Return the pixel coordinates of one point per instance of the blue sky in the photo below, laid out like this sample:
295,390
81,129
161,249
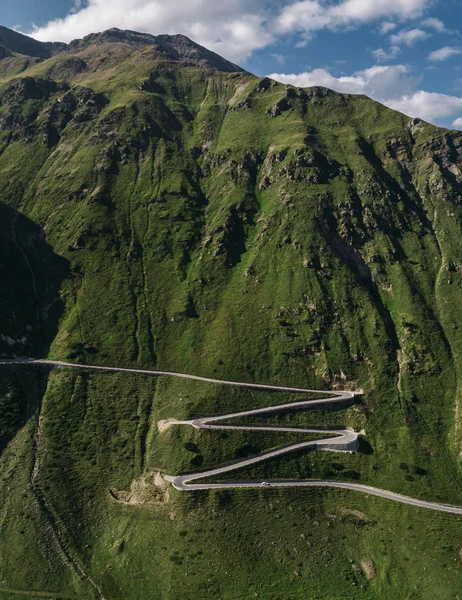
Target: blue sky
404,53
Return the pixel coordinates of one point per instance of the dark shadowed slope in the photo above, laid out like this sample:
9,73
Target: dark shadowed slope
22,44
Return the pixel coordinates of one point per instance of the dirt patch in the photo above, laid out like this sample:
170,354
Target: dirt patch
240,87
165,424
360,516
149,491
369,568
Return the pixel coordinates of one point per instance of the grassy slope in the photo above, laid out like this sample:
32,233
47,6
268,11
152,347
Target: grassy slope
320,247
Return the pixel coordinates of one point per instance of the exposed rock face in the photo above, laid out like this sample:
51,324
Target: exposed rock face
28,88
80,104
281,106
263,85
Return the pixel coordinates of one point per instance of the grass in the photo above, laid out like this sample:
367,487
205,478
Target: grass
93,427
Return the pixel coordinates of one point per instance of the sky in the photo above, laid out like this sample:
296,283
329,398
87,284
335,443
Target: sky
406,54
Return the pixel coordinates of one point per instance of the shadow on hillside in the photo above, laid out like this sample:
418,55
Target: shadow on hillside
31,275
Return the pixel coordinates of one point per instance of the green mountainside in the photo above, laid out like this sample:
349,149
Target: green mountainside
162,208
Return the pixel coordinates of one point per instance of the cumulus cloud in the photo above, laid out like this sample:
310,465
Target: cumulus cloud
311,15
435,24
408,37
443,53
457,123
354,84
386,27
234,28
381,82
382,55
427,105
393,85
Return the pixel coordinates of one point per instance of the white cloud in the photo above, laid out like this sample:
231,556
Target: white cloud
382,55
366,10
308,15
234,28
311,15
443,53
380,82
428,105
354,84
304,40
386,27
392,85
435,24
408,37
457,123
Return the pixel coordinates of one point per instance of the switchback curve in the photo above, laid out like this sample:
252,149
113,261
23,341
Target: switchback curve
345,440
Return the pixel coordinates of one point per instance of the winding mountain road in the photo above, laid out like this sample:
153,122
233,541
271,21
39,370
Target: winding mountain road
345,440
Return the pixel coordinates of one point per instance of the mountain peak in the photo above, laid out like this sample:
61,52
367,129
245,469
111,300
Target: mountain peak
112,36
178,47
185,50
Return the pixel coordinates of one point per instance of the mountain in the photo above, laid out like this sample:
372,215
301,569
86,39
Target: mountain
178,47
162,209
22,44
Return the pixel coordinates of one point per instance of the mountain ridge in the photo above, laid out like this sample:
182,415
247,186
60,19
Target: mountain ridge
178,47
22,44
